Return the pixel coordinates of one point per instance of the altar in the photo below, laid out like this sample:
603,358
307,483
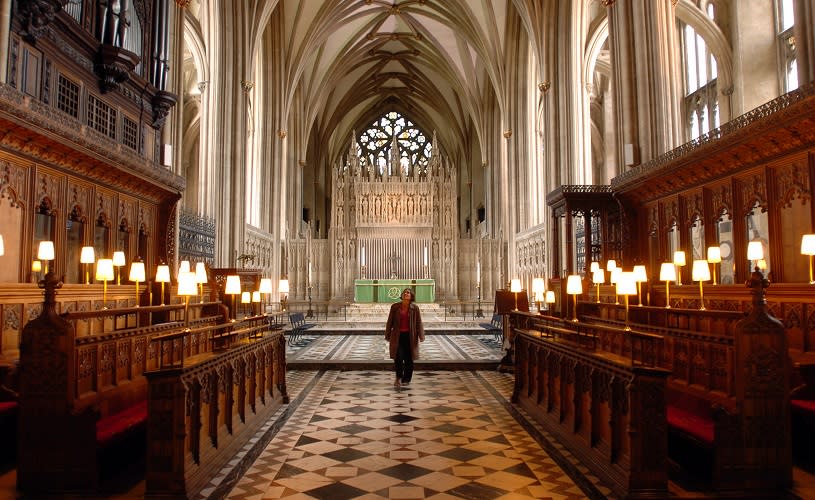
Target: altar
390,290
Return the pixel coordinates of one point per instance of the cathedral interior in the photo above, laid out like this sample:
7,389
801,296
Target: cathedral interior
603,209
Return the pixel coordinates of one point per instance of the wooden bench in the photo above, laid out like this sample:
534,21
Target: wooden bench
495,326
82,396
298,326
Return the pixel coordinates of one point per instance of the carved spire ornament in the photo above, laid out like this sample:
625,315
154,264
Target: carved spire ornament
37,15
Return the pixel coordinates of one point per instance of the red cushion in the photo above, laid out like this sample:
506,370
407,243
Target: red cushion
699,427
112,426
8,407
805,405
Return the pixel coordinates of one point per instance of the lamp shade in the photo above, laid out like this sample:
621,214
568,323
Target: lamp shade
598,276
233,285
667,272
118,258
594,266
574,285
265,285
550,297
714,254
538,286
2,246
87,255
163,274
515,286
184,267
611,265
700,270
640,274
755,251
137,272
246,297
284,286
36,266
627,284
808,244
256,296
104,269
615,275
46,250
186,284
200,273
679,258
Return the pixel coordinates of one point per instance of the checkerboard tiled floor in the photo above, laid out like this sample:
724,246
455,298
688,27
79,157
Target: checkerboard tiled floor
447,435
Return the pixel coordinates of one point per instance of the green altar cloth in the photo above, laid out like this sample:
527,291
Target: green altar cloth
368,291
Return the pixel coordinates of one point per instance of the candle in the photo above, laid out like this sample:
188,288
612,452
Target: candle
362,260
478,272
309,272
425,255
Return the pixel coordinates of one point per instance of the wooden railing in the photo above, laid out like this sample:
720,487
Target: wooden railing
202,412
609,413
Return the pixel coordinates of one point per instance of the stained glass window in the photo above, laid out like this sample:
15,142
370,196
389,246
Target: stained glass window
374,145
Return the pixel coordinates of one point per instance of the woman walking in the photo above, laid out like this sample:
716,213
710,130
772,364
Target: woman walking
404,331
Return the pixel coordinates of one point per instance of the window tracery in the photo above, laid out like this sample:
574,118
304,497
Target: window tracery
374,145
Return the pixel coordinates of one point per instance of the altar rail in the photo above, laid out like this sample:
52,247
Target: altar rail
609,413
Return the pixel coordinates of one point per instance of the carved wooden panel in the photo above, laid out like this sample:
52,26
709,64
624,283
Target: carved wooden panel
14,178
105,208
792,182
127,214
49,189
752,190
693,206
721,200
79,200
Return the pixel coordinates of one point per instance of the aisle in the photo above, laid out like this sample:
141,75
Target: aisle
448,435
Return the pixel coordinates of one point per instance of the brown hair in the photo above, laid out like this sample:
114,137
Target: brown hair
412,295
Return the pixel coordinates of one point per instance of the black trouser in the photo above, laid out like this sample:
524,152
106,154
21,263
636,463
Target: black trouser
404,358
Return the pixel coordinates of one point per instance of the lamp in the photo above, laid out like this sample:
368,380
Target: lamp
538,289
755,252
667,273
246,298
104,273
714,256
611,265
550,297
594,267
137,275
265,287
36,267
808,248
283,288
183,267
186,289
201,277
640,277
515,288
118,262
574,287
700,272
627,285
163,276
87,256
598,277
2,246
233,287
679,261
45,252
613,278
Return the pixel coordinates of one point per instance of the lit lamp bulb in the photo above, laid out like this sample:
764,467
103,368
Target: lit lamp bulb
640,277
118,262
701,273
627,285
201,278
550,297
87,257
755,253
232,287
574,287
667,273
162,276
45,252
104,273
515,288
538,289
679,262
137,275
808,248
714,256
246,298
186,288
598,277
